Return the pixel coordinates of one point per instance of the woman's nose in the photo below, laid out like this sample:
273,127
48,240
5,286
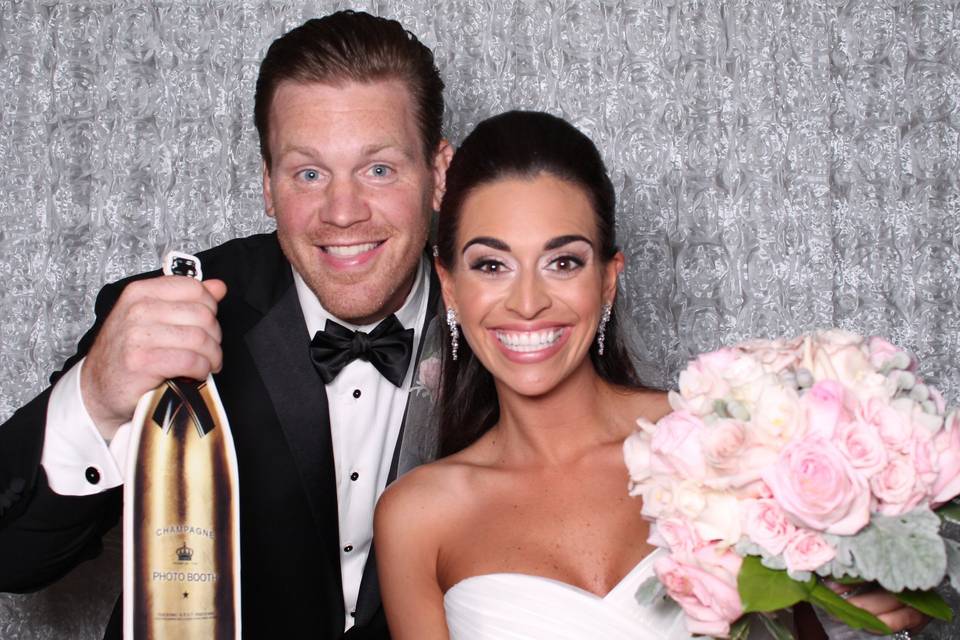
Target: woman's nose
528,295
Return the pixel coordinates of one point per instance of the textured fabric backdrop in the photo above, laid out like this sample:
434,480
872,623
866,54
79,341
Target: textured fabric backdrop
780,165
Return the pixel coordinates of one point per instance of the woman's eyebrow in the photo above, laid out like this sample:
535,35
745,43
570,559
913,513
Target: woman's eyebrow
493,243
559,241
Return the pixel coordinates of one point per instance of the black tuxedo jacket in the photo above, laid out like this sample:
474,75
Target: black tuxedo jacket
277,407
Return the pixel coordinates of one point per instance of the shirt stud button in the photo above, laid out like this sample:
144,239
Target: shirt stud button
92,475
356,393
354,476
348,548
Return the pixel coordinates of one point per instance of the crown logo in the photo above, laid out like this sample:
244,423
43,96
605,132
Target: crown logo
184,553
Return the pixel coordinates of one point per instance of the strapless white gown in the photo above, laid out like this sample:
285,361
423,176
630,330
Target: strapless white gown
514,606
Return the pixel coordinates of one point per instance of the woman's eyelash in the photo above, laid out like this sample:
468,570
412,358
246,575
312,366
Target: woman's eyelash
573,261
487,265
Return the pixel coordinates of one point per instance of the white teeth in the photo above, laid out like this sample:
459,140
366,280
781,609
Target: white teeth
348,251
529,341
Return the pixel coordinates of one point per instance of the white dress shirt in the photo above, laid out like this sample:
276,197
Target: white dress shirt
366,412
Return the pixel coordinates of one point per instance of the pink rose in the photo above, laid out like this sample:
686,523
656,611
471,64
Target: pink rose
777,413
897,487
839,355
657,498
677,535
946,446
675,446
636,454
937,398
711,603
702,381
894,428
924,458
818,487
824,403
807,551
861,444
775,355
882,351
767,525
721,443
428,375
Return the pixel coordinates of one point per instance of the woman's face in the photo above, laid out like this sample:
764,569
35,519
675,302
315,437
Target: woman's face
527,280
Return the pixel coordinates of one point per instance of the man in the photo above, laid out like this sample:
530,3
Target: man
349,111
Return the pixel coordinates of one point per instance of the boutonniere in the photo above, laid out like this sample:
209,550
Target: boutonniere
428,378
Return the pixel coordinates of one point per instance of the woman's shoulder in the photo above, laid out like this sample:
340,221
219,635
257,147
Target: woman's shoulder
427,488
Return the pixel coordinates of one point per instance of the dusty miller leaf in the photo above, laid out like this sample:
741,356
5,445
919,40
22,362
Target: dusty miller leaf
953,563
650,591
900,552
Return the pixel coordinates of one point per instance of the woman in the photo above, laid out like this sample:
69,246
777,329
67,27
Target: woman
525,529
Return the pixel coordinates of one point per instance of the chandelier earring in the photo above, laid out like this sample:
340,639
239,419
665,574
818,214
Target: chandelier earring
605,312
454,332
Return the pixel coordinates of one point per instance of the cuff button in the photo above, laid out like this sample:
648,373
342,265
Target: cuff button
92,475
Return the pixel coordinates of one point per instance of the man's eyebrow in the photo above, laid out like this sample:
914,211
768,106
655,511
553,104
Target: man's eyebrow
493,243
373,149
559,241
297,148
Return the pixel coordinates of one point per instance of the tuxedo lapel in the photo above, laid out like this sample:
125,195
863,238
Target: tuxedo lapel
279,345
416,442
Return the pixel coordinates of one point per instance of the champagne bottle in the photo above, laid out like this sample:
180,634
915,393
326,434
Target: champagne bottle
181,510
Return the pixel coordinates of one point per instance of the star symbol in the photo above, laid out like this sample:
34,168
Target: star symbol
186,595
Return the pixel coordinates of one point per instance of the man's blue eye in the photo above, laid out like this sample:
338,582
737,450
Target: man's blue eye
310,174
380,170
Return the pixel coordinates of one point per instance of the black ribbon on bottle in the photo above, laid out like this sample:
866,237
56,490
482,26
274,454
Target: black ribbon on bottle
183,395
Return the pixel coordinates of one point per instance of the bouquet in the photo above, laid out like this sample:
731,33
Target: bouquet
788,462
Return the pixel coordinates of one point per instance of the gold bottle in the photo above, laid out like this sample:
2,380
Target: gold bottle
181,511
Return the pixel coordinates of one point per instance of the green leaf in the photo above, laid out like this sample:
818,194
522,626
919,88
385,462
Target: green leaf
777,630
950,512
899,552
848,614
764,589
928,602
740,630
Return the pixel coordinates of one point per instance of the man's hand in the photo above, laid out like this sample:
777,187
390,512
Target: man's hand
160,328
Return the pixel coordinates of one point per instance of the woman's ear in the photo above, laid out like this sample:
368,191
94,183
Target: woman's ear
611,272
446,284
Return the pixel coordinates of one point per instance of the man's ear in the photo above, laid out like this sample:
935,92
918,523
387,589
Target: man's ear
441,162
611,272
267,194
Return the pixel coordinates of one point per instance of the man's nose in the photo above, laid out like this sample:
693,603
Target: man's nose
344,204
528,295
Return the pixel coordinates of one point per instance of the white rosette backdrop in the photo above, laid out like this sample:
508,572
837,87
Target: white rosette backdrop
780,165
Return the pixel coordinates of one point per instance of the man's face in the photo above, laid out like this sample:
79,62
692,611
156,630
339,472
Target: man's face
351,192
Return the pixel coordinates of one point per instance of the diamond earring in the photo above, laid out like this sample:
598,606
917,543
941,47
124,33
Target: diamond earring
607,309
454,332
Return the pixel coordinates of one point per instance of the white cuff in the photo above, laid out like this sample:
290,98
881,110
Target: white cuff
75,456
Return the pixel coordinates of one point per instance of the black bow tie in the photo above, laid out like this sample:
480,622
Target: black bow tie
387,347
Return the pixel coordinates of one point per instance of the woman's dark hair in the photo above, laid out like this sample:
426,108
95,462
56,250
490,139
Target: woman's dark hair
518,144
